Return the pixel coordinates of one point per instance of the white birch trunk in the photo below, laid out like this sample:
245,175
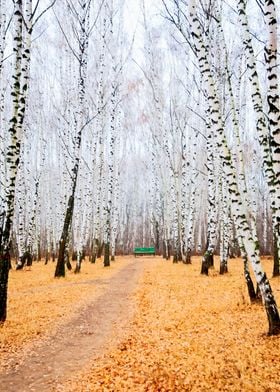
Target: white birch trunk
270,49
238,210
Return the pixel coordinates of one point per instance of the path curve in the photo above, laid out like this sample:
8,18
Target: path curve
82,339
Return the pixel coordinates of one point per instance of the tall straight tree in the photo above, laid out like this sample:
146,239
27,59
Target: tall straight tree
109,9
24,19
80,25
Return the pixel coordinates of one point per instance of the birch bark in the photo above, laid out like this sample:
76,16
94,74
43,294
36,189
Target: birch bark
12,160
238,209
270,55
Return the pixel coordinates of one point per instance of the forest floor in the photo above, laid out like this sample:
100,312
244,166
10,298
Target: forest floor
143,324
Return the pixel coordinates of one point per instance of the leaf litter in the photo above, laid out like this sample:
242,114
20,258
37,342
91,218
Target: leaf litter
189,332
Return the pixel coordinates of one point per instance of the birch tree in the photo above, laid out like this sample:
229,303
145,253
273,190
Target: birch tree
270,55
12,159
80,16
262,125
238,208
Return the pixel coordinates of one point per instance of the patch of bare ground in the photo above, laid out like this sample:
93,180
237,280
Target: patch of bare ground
190,333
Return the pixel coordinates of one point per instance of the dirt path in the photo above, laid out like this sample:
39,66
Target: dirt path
98,326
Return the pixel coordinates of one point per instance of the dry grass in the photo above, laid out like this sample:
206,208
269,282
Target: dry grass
191,333
38,301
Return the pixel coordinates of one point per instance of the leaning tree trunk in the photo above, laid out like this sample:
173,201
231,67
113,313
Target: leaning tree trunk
248,279
274,118
12,160
63,242
269,161
238,160
238,210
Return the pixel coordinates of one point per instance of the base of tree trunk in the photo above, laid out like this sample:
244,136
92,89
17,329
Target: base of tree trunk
274,323
25,259
93,258
100,249
164,251
113,258
68,264
204,267
60,265
39,253
276,266
211,261
207,262
275,330
175,258
250,288
168,250
77,268
4,276
179,257
188,257
106,255
223,268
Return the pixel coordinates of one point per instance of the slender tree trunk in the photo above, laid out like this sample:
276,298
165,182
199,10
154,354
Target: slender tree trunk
270,54
268,144
208,257
63,242
12,160
248,279
80,123
276,269
107,255
94,250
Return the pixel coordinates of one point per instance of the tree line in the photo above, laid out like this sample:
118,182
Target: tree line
126,124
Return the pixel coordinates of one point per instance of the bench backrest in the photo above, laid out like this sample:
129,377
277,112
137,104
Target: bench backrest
144,250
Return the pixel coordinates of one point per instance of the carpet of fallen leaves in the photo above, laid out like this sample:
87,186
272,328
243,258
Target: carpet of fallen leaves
190,333
37,301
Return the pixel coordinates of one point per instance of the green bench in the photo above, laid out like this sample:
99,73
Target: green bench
144,251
